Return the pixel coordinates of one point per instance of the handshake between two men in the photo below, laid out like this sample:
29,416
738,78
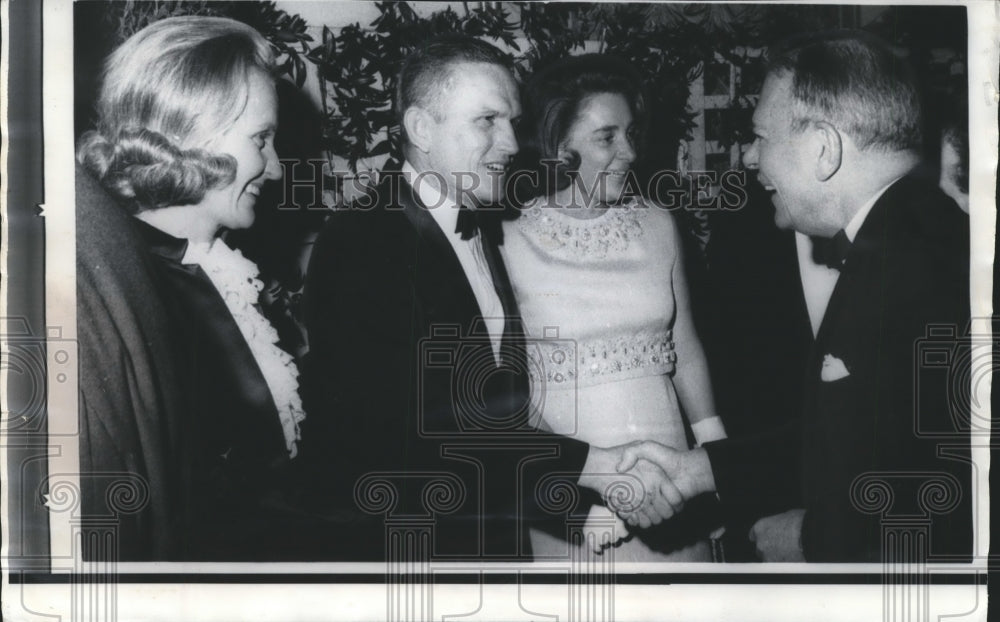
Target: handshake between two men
654,481
658,480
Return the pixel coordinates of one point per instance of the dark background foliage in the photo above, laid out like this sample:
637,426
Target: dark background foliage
671,45
101,26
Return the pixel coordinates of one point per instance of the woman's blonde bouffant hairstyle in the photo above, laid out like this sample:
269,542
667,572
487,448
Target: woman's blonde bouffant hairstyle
166,93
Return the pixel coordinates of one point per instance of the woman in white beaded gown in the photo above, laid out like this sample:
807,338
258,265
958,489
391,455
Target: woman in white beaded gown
604,274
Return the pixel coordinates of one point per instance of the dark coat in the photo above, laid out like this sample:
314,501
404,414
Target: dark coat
172,398
131,394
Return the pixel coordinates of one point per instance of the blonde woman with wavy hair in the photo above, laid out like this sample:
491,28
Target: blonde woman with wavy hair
184,141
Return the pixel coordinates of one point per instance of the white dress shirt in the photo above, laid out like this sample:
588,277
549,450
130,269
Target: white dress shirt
818,280
444,211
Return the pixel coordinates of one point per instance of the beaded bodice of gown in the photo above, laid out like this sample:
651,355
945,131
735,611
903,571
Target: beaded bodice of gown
596,298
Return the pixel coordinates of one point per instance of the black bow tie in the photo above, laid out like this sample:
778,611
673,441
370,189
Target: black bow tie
832,252
468,223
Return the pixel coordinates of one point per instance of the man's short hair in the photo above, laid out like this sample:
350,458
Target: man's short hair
854,81
426,72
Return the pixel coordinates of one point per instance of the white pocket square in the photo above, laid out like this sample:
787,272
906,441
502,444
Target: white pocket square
833,369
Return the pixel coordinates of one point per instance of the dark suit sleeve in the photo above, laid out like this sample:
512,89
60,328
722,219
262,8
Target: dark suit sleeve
758,475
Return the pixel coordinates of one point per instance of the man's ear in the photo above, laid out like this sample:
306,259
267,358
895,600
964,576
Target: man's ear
565,155
416,122
831,150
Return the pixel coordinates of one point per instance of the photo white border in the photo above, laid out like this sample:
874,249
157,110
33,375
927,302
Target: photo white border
163,601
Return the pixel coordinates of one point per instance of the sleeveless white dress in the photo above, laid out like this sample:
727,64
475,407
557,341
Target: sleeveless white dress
596,298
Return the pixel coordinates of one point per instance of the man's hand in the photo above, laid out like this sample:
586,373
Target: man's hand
778,538
660,500
689,471
642,495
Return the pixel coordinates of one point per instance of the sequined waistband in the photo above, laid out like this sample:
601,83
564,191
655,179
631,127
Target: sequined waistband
566,364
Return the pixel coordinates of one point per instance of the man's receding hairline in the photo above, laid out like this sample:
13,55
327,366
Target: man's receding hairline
451,66
433,97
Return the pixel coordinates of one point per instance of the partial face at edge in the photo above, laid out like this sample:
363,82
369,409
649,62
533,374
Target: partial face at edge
950,163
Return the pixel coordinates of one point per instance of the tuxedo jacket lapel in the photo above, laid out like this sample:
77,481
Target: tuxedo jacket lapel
436,268
447,293
857,266
444,269
492,236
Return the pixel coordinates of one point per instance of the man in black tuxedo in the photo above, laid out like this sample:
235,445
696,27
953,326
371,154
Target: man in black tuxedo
416,377
837,137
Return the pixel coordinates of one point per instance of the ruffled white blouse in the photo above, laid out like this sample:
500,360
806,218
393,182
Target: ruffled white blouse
236,279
